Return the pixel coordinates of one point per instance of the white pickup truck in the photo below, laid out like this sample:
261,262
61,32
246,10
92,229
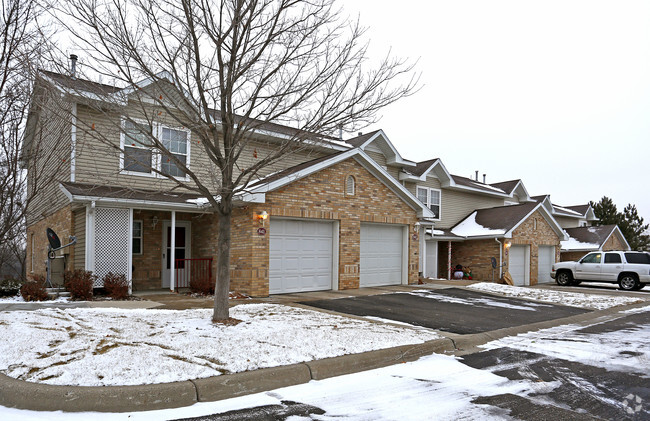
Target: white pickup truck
630,269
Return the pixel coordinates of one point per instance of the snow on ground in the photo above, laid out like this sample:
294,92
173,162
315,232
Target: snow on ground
476,301
610,350
95,347
573,299
18,299
434,387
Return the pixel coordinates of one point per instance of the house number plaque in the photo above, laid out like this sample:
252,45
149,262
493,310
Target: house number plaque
261,231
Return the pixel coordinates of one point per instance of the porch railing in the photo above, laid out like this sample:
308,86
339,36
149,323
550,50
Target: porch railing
188,270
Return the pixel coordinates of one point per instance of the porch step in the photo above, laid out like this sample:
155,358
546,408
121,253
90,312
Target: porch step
57,292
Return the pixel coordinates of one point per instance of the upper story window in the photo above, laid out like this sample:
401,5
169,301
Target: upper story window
141,158
582,223
138,155
349,185
431,198
175,141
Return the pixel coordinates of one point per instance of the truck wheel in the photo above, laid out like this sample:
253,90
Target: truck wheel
563,278
628,282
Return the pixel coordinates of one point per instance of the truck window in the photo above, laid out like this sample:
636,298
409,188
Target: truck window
591,258
642,258
613,258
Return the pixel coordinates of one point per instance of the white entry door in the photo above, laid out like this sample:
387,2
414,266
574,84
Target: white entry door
300,256
382,253
545,260
183,250
432,259
519,266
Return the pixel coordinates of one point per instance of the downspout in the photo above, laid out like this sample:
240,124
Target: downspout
500,256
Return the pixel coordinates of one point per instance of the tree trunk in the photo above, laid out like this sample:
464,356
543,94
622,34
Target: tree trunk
222,286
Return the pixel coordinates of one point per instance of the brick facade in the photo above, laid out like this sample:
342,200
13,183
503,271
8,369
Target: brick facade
319,196
62,223
535,231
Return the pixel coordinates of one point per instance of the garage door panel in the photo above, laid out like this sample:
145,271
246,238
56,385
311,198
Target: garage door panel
517,264
545,260
381,255
300,257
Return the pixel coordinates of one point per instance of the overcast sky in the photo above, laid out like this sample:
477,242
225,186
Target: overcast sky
556,93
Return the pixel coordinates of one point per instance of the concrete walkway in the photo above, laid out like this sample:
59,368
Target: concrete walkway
34,396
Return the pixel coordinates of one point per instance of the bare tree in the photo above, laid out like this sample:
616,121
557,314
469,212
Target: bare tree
238,66
21,46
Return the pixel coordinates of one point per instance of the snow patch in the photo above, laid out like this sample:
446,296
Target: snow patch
573,299
102,347
470,228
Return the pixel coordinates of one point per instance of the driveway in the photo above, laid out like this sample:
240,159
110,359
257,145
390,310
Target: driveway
451,310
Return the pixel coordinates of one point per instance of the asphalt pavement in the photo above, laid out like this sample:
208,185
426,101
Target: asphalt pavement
452,310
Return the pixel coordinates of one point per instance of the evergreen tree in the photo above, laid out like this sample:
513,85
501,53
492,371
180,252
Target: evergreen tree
633,229
606,212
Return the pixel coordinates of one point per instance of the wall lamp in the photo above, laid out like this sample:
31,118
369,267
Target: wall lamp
508,244
154,221
416,227
261,217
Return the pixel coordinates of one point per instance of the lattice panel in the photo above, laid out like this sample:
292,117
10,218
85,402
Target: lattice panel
111,242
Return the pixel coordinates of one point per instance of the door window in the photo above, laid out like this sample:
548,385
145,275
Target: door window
591,258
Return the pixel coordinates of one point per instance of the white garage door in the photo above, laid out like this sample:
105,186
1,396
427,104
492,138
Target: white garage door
300,257
545,260
381,255
519,264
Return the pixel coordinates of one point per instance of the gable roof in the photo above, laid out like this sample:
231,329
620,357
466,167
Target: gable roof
256,191
591,238
379,139
501,221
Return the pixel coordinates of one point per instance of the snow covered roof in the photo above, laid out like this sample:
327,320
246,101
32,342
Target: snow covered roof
501,221
591,238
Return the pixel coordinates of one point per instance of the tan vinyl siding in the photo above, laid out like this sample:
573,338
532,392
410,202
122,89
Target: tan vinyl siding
98,160
380,159
49,161
567,222
79,217
457,205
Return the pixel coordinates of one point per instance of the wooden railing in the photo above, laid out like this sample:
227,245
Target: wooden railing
188,270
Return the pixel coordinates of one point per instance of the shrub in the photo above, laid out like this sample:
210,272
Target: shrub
202,285
34,290
116,286
79,283
9,287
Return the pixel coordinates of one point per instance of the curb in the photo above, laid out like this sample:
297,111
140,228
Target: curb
20,394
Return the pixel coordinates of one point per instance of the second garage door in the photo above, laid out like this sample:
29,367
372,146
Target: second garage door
519,265
545,260
300,257
381,255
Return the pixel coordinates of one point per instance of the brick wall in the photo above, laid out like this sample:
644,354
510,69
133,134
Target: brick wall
63,225
319,196
571,256
474,254
535,231
613,243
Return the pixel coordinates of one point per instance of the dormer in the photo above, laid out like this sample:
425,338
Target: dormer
377,142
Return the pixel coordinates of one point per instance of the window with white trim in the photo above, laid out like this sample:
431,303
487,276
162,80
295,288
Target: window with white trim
349,185
175,141
431,198
138,154
137,237
141,158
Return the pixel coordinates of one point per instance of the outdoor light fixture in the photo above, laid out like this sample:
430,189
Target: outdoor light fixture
416,227
508,244
261,217
154,221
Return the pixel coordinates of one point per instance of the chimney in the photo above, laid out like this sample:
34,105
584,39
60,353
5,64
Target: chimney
73,65
483,178
476,176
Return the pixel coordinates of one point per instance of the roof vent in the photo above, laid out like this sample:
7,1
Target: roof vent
73,65
483,178
476,176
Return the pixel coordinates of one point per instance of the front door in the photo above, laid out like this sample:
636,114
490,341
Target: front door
182,250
